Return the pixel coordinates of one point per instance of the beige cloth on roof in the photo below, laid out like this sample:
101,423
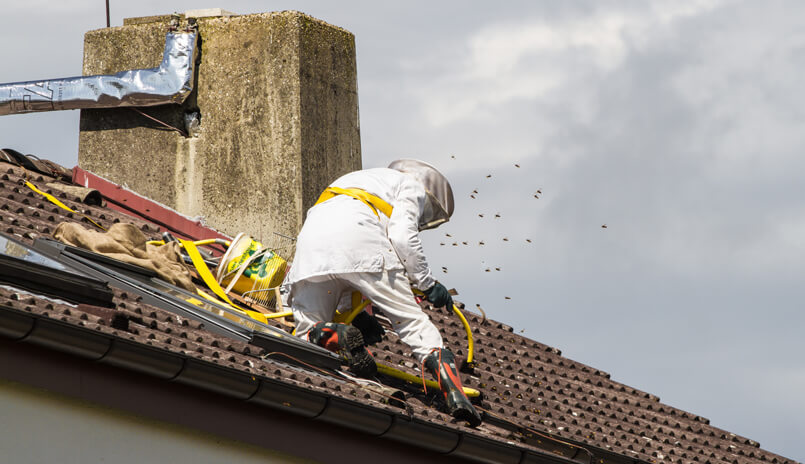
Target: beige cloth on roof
125,242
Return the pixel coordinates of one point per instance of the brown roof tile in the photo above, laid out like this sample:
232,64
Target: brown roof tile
529,389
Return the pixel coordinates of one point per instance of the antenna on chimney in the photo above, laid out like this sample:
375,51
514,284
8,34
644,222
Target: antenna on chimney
107,13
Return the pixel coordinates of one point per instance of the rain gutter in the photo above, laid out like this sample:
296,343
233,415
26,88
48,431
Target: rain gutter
111,350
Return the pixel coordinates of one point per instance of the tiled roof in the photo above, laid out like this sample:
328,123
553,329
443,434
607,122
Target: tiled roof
530,391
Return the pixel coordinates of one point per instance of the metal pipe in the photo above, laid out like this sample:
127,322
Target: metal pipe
171,82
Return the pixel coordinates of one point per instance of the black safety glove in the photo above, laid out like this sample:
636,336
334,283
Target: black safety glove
439,296
371,330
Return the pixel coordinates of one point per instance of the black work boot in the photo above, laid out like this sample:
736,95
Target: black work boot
442,365
347,341
371,330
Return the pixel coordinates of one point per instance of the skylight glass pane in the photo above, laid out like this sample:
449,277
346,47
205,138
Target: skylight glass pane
17,250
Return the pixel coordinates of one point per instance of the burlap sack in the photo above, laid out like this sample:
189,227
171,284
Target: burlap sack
125,242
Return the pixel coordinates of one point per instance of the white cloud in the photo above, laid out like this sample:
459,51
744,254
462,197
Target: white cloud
532,58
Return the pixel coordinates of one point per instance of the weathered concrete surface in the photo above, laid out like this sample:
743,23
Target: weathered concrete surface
207,13
277,93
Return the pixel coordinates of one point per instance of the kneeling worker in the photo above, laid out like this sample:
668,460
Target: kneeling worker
363,235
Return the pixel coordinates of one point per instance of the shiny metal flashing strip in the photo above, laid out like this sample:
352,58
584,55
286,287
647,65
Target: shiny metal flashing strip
171,82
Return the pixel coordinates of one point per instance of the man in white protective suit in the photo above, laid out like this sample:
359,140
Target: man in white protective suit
363,235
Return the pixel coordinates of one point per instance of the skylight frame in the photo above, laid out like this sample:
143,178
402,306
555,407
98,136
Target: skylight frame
218,319
30,270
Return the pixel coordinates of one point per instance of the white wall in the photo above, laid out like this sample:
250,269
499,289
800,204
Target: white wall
38,426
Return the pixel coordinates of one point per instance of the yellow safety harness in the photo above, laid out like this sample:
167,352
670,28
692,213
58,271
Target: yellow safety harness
372,201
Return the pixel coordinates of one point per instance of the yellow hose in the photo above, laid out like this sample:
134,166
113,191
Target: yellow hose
278,315
346,318
211,241
467,328
206,241
398,374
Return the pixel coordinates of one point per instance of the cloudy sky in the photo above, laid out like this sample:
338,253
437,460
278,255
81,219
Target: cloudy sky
678,125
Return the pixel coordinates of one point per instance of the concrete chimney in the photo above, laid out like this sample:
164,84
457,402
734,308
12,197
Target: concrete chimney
278,105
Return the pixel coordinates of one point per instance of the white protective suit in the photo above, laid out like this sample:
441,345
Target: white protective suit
345,246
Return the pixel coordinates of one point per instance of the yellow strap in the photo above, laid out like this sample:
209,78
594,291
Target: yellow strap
207,277
376,203
56,202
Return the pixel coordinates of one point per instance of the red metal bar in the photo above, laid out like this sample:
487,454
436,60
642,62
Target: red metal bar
128,202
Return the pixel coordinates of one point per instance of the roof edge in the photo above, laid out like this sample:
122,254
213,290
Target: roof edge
106,348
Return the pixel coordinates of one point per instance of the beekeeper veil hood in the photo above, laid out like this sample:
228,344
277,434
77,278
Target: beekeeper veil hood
439,205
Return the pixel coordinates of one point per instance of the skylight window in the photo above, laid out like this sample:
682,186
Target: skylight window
22,266
216,318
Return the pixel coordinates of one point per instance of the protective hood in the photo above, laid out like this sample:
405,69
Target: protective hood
439,205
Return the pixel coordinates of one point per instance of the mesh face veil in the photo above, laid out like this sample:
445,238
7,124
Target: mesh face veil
439,204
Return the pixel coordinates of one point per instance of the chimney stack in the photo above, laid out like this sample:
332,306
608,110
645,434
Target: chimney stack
272,121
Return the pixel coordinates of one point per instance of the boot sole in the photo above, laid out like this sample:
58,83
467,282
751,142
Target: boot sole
462,409
361,363
462,414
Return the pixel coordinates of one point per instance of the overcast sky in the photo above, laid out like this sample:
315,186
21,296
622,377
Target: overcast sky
678,125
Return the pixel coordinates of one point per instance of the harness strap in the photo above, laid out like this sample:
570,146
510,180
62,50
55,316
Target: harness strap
372,201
